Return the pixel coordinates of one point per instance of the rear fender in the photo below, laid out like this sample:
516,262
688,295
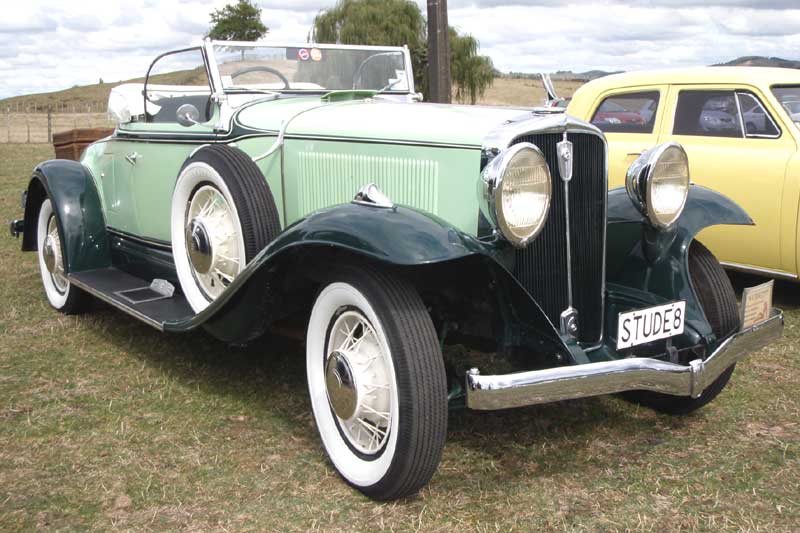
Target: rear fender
653,261
79,213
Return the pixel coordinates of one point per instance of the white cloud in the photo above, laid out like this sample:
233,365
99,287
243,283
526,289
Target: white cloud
51,44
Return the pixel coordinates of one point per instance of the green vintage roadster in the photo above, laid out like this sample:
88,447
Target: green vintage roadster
250,185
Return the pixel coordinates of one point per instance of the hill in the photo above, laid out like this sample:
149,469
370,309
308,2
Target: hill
94,97
760,61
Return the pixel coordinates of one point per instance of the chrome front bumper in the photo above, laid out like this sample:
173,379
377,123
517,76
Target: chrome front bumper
638,373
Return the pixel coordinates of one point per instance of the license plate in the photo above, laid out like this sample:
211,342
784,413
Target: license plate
651,324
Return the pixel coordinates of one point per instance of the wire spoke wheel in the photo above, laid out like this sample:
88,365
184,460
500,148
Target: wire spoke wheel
211,240
222,216
358,382
376,381
52,264
53,257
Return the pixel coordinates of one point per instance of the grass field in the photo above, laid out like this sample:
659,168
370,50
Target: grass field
108,424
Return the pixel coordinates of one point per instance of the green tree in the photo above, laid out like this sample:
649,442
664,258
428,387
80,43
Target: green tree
376,22
472,73
398,23
237,22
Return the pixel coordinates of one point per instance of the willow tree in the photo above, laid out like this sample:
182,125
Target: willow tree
398,23
472,73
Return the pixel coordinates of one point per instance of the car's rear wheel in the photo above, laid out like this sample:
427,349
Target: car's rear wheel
61,294
377,383
718,299
223,214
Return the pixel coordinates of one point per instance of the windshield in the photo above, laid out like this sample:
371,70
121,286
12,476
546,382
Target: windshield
789,97
311,69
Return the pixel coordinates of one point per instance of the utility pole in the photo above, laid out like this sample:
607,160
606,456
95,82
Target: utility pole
438,52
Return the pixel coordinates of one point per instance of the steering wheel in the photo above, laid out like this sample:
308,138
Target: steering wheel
262,68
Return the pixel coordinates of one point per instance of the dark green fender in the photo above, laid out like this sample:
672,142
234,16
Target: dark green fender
79,213
644,265
398,237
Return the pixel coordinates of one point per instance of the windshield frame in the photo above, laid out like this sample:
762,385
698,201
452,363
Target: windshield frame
216,77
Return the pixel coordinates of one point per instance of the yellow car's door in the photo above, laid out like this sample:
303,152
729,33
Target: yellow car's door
736,147
630,118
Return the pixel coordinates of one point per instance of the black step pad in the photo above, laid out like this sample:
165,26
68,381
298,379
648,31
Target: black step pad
105,283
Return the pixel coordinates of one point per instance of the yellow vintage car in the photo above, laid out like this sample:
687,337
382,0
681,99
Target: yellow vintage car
740,128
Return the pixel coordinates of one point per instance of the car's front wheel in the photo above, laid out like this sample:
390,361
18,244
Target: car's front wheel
377,383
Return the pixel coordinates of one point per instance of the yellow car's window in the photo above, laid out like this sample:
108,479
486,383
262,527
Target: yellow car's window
627,113
789,97
756,119
723,113
707,113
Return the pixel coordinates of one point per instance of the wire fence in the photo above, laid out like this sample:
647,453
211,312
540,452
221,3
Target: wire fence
53,106
36,127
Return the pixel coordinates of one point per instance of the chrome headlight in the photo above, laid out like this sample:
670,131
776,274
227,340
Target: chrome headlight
658,183
517,189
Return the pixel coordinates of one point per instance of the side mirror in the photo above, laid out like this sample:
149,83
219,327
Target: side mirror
188,115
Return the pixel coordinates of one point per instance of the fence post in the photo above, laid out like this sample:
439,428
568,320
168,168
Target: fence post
8,124
49,124
28,124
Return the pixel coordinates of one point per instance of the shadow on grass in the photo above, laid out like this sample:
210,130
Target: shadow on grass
268,379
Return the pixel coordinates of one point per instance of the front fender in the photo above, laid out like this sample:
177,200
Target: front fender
79,213
397,236
653,261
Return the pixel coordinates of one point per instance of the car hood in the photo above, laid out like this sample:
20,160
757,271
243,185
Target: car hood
378,119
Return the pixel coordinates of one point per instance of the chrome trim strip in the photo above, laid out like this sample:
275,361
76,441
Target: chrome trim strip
766,114
759,270
117,304
739,112
609,377
146,241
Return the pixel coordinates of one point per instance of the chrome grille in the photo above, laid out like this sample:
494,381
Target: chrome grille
541,266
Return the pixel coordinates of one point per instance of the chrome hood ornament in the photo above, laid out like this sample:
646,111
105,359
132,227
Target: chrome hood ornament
564,149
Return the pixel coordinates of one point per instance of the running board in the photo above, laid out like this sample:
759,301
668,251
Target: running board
150,303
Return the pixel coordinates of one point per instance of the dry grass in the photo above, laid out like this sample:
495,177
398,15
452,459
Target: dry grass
108,424
519,92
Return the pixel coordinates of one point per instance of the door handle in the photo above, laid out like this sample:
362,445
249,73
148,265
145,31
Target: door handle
132,157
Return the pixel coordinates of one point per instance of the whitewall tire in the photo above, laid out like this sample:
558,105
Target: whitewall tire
222,215
60,293
377,383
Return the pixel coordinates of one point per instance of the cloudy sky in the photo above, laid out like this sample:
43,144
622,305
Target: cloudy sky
55,44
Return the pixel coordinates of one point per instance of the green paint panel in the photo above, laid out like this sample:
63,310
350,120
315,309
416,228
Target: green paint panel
380,119
440,181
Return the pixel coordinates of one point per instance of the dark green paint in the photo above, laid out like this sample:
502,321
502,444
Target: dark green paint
79,215
656,262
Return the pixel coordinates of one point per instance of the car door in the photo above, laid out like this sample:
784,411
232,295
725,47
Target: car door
741,156
630,119
148,153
